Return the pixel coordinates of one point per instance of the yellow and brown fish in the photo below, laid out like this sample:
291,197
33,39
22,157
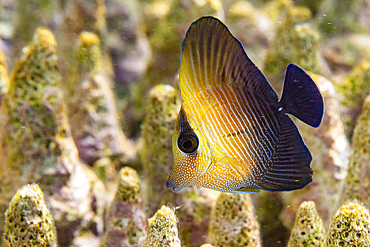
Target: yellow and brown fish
232,133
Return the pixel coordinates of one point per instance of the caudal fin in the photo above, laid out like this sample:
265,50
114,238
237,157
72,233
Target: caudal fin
301,97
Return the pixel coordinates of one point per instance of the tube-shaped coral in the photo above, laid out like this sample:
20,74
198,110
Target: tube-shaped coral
355,89
358,181
93,112
36,144
162,229
295,42
4,80
157,133
350,226
126,221
233,222
309,229
28,222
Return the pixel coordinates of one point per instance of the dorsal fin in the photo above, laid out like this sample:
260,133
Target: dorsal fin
211,56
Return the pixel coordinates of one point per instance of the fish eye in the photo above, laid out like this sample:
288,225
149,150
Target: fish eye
188,142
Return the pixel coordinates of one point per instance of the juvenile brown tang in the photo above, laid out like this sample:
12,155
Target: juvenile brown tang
232,133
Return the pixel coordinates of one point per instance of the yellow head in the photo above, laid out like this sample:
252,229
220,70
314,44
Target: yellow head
191,154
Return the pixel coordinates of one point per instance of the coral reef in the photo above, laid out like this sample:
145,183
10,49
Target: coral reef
309,229
358,181
165,25
234,222
253,26
36,144
103,77
4,80
126,221
355,89
157,130
162,229
76,17
92,110
295,42
343,53
330,150
350,226
28,221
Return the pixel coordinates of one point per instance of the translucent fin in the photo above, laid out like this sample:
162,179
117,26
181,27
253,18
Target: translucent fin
301,97
290,167
247,189
211,56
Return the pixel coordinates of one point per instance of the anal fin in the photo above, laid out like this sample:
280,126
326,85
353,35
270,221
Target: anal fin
290,166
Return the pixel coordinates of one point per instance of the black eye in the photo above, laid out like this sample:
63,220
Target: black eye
188,142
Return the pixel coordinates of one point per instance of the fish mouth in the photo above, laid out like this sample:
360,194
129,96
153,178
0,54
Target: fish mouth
171,185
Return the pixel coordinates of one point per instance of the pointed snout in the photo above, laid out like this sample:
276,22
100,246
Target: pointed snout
169,184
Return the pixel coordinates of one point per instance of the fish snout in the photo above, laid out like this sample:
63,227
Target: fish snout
169,184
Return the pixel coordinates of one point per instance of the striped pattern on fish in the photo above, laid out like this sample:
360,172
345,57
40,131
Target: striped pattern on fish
232,133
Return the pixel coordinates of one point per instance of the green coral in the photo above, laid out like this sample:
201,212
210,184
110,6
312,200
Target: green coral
357,87
28,222
126,221
30,111
233,222
162,229
309,229
354,90
89,53
350,226
37,146
358,181
157,131
128,187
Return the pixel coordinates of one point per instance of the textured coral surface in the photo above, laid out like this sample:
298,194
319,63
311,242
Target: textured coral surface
309,229
162,229
28,222
350,226
234,222
97,91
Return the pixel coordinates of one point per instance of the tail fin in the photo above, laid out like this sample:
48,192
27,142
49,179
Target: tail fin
301,97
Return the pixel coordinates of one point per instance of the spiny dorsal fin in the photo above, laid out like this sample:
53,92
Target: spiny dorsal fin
211,56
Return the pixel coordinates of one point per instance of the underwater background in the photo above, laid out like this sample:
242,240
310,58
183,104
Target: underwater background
89,99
